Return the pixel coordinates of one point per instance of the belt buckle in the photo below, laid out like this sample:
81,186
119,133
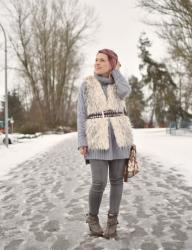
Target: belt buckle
103,115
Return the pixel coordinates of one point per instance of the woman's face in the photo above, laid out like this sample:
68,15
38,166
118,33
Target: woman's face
102,65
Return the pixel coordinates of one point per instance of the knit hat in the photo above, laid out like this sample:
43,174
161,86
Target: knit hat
112,56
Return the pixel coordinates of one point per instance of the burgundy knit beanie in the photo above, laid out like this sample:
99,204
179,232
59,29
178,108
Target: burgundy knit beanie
112,56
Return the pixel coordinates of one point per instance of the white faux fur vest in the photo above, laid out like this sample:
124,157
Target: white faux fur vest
97,131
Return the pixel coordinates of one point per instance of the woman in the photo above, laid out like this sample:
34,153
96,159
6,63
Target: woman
104,136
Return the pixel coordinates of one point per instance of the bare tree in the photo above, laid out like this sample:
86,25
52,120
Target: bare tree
47,37
175,26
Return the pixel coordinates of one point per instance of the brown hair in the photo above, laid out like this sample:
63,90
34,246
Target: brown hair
112,56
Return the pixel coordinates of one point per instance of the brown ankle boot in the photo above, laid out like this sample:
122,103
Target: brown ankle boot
110,230
94,225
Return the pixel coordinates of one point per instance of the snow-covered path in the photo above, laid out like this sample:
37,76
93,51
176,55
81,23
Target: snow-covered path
44,201
174,152
18,153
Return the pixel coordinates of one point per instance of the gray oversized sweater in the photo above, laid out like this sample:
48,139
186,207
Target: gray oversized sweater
114,152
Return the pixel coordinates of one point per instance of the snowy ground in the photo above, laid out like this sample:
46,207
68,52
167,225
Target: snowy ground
172,151
28,149
44,199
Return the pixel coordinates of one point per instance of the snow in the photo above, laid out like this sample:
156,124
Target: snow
18,153
173,152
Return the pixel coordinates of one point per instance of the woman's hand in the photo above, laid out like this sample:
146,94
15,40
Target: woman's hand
118,65
83,150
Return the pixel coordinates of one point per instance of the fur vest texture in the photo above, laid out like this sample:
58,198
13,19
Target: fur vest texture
97,129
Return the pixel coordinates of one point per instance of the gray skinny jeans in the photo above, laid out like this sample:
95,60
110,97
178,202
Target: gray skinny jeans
99,170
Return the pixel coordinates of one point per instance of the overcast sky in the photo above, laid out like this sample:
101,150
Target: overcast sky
120,27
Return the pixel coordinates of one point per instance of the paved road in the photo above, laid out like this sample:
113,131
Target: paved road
43,206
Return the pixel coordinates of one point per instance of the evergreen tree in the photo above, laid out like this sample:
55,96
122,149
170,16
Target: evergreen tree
162,99
16,110
135,103
1,110
2,117
174,26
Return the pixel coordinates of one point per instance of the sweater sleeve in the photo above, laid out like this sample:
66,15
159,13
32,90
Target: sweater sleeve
81,118
123,87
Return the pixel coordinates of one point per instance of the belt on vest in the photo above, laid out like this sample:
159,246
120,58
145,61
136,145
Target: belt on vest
105,114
